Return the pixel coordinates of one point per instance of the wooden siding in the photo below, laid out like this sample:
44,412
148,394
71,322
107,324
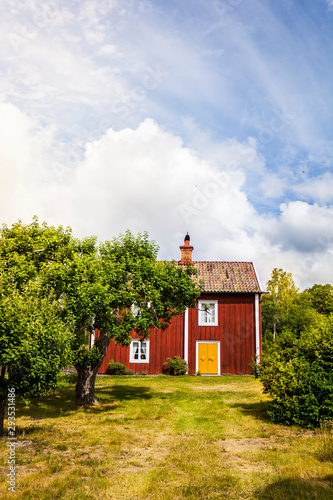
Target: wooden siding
235,331
161,346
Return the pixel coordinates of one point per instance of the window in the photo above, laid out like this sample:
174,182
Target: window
136,309
139,351
208,313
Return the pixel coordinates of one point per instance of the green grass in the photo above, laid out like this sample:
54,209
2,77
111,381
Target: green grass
164,438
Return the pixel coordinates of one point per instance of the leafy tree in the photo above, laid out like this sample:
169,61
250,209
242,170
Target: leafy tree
98,285
321,298
61,264
276,306
301,314
126,273
297,372
34,341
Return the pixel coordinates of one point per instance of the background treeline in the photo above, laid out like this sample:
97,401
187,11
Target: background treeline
286,308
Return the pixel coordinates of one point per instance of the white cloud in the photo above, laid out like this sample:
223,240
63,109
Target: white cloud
146,179
305,227
24,157
318,188
108,49
273,186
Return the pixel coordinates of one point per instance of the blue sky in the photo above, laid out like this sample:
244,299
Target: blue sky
208,117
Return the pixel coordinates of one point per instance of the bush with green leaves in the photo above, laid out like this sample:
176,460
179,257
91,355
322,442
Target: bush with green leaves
34,341
116,368
175,366
297,373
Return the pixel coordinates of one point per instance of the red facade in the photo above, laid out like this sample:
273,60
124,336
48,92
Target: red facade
235,334
161,346
224,343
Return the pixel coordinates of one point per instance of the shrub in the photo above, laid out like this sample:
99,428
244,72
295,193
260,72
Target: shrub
297,373
116,368
175,366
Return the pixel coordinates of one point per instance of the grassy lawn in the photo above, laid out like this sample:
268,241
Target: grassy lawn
163,438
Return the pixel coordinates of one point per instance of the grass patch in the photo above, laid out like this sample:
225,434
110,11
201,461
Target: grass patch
164,438
325,442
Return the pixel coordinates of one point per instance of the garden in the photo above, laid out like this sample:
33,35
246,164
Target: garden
163,438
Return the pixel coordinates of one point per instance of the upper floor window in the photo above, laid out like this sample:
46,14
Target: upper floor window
208,312
136,309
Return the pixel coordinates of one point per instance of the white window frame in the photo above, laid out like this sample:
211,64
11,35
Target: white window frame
132,351
201,311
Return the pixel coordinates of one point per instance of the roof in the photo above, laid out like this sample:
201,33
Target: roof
237,277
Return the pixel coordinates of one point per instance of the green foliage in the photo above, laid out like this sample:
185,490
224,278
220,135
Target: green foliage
116,368
130,275
282,287
34,341
297,373
96,285
276,307
254,366
85,357
285,308
66,378
175,366
321,298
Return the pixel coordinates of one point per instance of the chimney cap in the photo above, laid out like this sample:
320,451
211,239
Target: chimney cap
187,237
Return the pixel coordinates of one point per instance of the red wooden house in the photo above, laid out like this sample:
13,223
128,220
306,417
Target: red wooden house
216,340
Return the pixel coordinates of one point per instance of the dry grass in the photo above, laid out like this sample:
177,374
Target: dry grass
163,438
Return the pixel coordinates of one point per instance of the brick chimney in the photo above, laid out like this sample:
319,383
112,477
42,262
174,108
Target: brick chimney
186,251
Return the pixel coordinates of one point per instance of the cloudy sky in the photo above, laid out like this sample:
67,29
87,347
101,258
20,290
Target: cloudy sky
212,117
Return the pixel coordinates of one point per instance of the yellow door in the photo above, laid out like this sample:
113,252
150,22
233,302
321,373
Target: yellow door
208,359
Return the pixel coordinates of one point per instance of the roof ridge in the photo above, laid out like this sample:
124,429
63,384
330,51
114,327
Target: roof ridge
226,261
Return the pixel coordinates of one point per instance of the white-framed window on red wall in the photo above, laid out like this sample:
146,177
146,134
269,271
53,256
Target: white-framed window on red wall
208,312
139,351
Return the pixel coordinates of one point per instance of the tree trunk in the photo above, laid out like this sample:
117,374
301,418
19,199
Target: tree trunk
85,387
2,412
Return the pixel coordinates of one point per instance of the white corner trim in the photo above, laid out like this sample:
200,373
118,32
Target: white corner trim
92,338
257,326
257,276
186,335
